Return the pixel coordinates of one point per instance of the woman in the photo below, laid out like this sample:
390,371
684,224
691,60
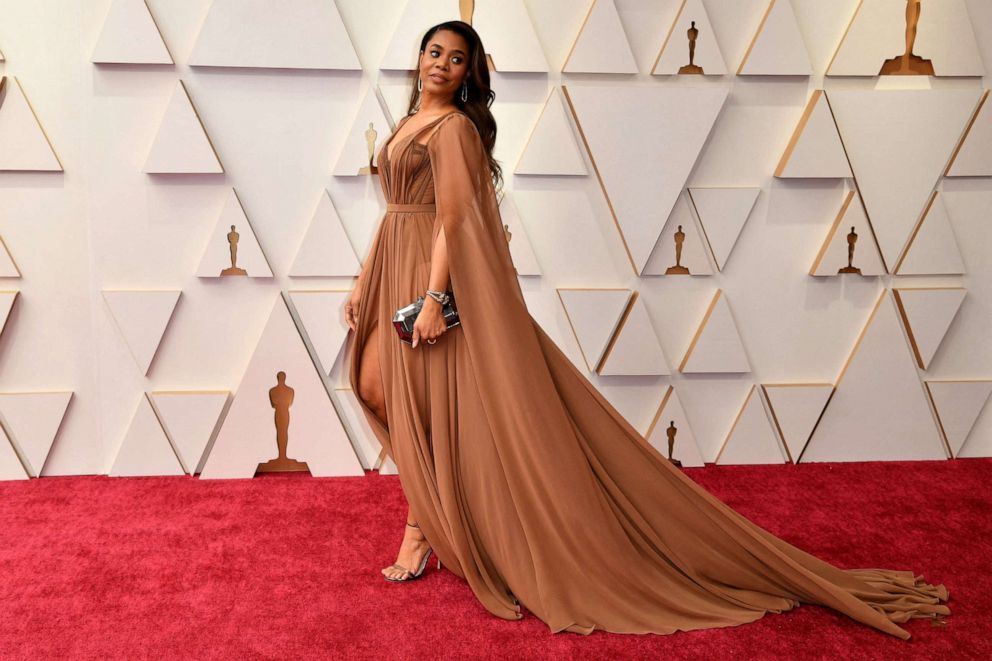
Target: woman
519,475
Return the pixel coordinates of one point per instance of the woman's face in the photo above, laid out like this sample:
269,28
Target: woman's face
444,64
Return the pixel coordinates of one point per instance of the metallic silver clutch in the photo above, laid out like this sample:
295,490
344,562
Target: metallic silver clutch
405,316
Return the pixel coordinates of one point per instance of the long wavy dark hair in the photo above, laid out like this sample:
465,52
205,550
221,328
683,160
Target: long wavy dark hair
480,95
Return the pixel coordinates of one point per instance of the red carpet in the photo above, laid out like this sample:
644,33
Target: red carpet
288,567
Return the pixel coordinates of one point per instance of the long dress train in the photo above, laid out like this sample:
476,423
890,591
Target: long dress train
523,477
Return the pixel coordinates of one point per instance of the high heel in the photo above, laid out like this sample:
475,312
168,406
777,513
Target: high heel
408,575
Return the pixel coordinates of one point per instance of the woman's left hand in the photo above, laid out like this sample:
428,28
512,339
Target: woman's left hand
429,324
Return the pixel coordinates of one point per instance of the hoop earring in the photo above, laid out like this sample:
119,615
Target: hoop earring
420,84
464,91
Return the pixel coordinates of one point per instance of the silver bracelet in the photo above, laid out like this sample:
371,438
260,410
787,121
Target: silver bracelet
439,296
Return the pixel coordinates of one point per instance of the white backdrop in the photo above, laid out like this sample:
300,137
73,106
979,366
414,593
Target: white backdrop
104,225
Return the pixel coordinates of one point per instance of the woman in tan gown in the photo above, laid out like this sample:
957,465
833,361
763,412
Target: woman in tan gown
519,475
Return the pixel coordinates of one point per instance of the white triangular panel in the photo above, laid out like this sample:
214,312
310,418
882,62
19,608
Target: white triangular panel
899,143
795,409
974,155
722,214
8,269
130,36
932,250
674,53
815,149
879,411
505,27
695,254
370,124
716,346
307,34
323,320
778,48
181,145
552,148
248,435
217,254
145,449
671,414
524,259
927,314
23,143
878,32
833,254
625,128
636,350
958,405
752,439
593,315
33,420
326,249
189,419
142,317
601,46
10,465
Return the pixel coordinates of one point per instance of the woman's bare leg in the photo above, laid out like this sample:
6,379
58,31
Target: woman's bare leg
412,550
370,377
370,388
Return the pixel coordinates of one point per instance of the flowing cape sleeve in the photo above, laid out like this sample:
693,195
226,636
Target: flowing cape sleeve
582,478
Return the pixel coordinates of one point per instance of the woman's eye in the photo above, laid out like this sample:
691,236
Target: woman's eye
456,59
434,53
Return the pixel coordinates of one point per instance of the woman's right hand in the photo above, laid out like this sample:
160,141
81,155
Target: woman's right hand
351,309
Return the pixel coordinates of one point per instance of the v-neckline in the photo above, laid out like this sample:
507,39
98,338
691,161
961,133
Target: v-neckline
386,148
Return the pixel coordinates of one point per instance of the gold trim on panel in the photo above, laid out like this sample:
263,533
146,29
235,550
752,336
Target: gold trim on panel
699,330
798,132
602,183
778,426
34,114
202,128
861,336
578,34
617,331
3,245
737,419
967,132
840,43
668,36
754,39
897,294
658,411
558,291
916,230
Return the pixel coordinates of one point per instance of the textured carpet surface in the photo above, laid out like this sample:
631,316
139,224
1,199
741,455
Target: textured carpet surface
287,566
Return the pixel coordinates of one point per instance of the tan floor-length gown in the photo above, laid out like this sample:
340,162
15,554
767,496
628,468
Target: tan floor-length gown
525,480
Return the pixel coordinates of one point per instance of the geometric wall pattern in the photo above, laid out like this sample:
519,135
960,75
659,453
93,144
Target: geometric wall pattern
765,134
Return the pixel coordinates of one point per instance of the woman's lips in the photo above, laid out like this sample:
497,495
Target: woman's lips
437,79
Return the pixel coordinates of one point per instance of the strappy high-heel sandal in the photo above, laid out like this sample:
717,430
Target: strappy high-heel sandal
409,575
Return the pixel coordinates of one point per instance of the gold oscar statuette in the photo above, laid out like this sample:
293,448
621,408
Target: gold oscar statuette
692,67
671,431
678,269
232,241
281,398
370,135
852,238
909,64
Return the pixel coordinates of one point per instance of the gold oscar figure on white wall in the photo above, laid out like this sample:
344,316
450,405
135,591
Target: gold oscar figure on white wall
852,238
671,430
370,136
232,242
909,64
678,269
281,398
692,68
